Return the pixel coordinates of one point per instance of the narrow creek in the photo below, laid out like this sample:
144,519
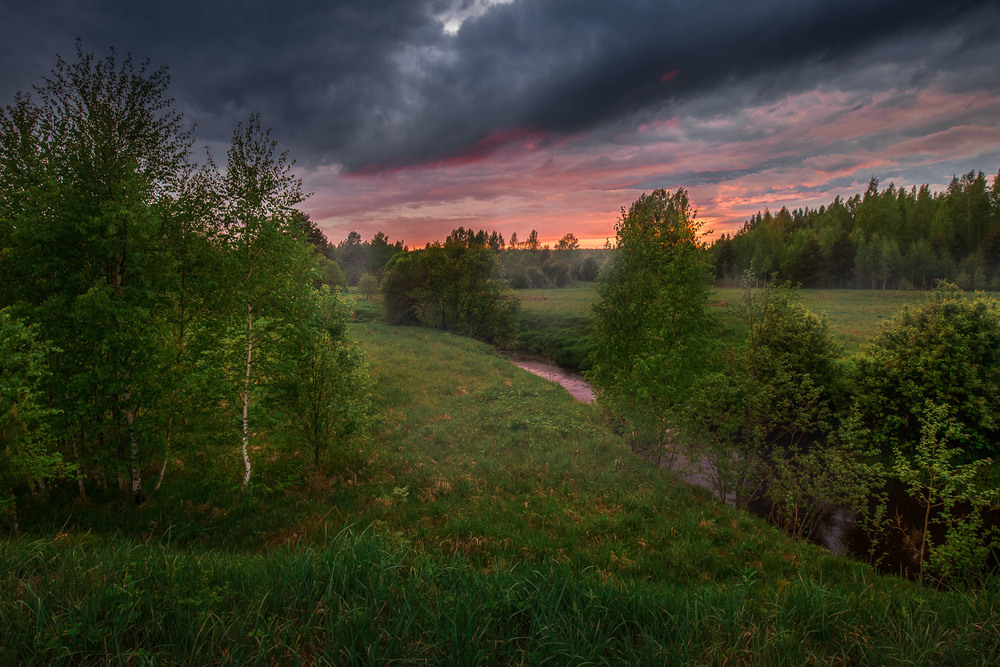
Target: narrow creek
571,381
838,531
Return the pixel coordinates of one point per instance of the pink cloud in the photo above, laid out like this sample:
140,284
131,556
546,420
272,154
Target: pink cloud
797,152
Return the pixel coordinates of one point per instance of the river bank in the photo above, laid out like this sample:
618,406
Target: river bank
839,530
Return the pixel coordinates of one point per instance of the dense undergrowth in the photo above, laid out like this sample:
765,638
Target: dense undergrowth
489,519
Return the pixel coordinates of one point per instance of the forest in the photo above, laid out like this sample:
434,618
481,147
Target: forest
889,239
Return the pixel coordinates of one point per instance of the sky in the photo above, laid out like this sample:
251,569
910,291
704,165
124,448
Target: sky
414,117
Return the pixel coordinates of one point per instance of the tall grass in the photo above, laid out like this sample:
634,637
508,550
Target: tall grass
361,598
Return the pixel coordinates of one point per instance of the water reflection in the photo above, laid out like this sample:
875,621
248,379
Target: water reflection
571,381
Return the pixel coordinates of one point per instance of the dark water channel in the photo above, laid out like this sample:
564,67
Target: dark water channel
838,531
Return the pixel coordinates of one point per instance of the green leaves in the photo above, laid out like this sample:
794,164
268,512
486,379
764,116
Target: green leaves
455,286
27,455
761,413
947,352
164,291
650,329
953,496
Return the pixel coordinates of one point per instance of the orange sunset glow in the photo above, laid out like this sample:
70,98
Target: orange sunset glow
520,115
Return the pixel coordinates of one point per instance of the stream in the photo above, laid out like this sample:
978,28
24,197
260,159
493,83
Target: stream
838,530
571,381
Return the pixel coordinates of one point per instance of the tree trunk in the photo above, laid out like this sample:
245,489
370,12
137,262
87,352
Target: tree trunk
13,512
176,393
133,448
79,474
246,399
166,449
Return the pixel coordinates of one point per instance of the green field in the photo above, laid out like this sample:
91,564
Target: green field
854,315
554,321
489,519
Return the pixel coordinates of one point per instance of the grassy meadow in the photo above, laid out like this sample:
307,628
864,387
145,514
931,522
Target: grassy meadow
854,315
554,321
490,518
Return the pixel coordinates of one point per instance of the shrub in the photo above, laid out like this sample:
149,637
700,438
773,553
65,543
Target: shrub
946,351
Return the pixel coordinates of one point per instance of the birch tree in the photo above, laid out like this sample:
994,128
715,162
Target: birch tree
650,329
259,192
90,166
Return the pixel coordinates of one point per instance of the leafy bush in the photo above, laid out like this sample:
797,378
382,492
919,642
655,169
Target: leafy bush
455,287
756,419
946,351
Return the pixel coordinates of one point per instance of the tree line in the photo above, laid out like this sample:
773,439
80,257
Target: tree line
892,238
151,306
773,413
526,264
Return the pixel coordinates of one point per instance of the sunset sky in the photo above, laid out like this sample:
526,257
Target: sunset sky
414,117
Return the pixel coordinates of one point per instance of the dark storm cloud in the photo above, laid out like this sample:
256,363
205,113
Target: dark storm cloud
380,84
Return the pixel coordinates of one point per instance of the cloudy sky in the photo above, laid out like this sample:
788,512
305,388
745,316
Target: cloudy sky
413,117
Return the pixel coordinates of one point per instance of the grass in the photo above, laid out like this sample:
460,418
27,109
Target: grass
854,315
489,519
554,321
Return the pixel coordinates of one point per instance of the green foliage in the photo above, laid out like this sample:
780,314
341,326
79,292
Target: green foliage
270,269
761,413
27,455
884,239
589,270
455,287
568,242
649,332
168,297
533,266
368,286
327,391
804,486
358,257
332,275
946,351
91,176
952,495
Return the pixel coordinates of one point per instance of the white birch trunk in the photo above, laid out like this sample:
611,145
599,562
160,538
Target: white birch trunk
133,448
79,474
246,399
166,454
